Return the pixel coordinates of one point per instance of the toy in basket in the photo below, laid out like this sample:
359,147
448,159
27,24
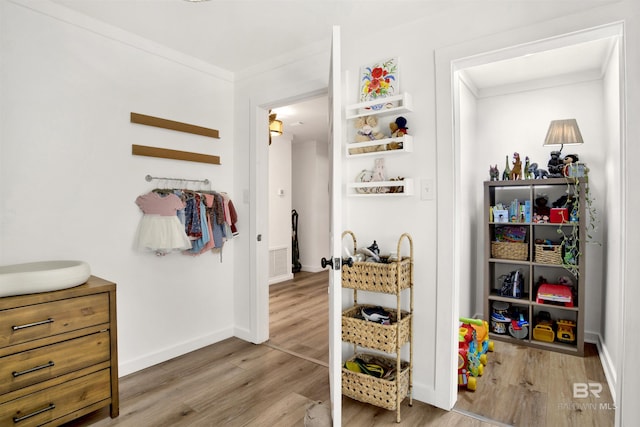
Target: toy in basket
388,277
382,329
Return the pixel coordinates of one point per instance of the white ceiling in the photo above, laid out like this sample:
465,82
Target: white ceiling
237,35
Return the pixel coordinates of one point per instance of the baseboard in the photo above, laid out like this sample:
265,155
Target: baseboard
244,334
312,268
150,359
605,359
282,278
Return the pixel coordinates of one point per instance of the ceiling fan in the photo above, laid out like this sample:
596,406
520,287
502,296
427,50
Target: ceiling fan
275,125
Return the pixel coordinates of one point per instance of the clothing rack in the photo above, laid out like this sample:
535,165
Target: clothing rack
149,178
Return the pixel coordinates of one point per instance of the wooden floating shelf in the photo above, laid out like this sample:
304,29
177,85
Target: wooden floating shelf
173,125
164,153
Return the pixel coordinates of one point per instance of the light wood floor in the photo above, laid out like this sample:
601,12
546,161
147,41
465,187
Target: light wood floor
235,383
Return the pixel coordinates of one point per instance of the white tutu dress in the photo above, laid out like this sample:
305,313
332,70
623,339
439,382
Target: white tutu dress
159,229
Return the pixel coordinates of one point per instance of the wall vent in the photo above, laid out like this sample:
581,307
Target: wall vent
278,262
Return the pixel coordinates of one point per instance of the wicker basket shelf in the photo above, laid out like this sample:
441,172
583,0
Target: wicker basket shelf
378,277
389,278
364,333
548,254
510,250
380,392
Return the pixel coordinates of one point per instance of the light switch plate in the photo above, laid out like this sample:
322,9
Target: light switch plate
426,189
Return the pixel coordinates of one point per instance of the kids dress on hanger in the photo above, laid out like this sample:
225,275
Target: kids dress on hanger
159,229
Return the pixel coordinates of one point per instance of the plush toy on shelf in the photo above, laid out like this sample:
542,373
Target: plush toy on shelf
367,130
398,129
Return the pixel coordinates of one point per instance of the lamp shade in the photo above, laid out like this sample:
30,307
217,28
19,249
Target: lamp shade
563,132
275,127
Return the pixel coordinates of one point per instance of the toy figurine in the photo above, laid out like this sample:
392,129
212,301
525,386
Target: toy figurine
516,170
555,165
538,173
493,173
507,170
527,169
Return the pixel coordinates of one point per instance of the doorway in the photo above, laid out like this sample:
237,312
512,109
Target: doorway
473,151
298,173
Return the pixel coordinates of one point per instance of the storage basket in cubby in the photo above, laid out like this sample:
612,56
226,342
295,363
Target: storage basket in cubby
364,333
510,250
548,254
385,393
389,278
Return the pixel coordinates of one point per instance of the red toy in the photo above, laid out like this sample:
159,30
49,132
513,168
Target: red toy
473,344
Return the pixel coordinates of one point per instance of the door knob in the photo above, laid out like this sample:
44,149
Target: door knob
326,262
348,261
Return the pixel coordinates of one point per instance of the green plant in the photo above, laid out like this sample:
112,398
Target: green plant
573,247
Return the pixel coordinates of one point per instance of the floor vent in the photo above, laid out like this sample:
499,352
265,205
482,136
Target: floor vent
278,262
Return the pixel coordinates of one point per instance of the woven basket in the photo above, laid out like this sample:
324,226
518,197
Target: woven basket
548,254
510,250
388,278
376,391
364,333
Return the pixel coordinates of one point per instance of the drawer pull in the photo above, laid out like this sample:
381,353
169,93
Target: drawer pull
36,368
33,414
29,325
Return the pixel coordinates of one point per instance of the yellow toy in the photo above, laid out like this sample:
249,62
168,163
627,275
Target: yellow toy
565,331
482,337
543,331
473,344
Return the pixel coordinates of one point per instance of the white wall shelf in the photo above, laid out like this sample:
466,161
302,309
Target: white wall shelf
392,105
358,189
406,141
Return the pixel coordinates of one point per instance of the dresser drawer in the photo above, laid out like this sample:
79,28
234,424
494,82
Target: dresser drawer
46,405
42,363
22,324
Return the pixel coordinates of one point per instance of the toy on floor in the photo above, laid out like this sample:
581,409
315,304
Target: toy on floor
469,366
473,344
483,343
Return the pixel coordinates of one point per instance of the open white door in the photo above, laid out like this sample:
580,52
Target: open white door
335,230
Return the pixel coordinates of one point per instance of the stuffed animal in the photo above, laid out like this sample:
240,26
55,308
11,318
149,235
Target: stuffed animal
379,175
541,207
399,127
567,161
367,130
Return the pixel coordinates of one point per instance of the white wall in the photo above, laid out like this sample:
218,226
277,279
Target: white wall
311,201
280,195
471,266
68,181
611,219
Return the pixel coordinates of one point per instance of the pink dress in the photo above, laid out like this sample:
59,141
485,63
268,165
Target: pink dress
159,229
